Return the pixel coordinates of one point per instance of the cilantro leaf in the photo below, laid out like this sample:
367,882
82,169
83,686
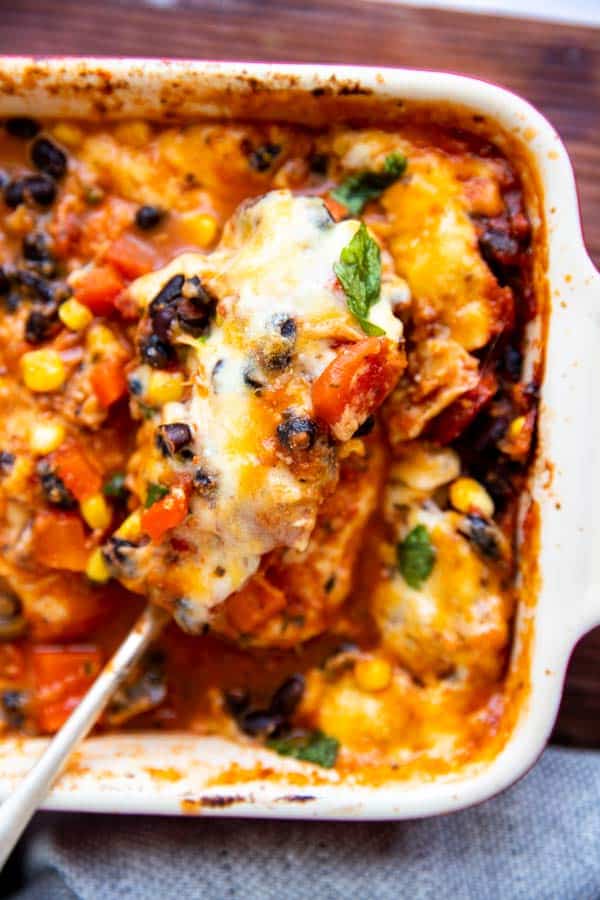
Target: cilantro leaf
115,486
154,493
416,556
316,747
356,191
394,165
359,273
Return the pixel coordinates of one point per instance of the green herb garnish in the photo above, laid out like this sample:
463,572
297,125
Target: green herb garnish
359,273
315,747
154,493
115,486
356,191
416,556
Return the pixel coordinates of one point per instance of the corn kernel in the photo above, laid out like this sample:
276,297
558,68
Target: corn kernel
136,133
97,569
74,315
131,528
96,511
467,496
164,387
100,340
373,674
43,370
199,228
516,427
46,437
68,134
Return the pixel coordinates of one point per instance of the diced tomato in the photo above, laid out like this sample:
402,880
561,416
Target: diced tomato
254,605
108,381
62,675
455,418
59,541
98,288
337,209
76,471
131,256
166,513
356,383
12,661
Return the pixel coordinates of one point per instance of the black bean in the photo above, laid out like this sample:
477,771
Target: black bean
162,321
513,360
156,352
488,431
49,158
366,428
287,697
173,437
37,252
260,721
7,461
286,326
237,701
148,217
482,534
117,551
168,293
135,386
22,127
500,251
14,193
39,326
318,163
192,318
35,247
196,308
253,377
12,302
54,488
204,482
13,704
40,188
297,433
4,282
38,286
263,157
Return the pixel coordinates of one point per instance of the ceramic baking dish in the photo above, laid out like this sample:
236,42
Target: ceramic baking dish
560,570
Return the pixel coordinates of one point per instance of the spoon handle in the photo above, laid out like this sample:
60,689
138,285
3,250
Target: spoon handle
18,809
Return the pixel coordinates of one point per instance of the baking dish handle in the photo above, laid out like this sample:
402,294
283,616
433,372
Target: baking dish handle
589,454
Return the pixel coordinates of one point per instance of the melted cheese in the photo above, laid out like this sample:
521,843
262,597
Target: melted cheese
434,246
275,262
456,621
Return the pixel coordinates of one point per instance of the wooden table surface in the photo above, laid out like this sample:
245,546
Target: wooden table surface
556,67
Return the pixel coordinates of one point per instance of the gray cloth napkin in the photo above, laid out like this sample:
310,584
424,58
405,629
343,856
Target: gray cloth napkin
540,839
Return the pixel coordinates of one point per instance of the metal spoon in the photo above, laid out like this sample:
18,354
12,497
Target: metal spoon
16,812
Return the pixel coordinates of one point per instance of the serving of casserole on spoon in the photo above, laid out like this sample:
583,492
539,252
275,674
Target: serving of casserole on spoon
285,341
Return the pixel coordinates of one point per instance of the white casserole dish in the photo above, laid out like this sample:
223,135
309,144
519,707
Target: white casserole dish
182,773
